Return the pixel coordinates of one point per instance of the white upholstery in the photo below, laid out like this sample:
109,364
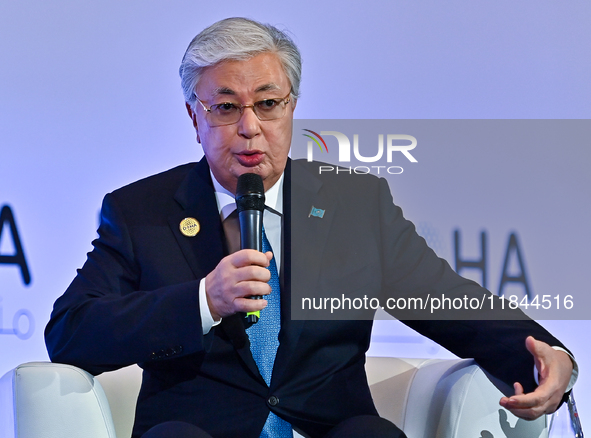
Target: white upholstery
45,400
445,399
426,398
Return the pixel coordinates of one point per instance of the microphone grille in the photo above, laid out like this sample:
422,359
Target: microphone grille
250,192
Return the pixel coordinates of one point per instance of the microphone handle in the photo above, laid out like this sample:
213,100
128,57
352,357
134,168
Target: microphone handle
251,237
251,229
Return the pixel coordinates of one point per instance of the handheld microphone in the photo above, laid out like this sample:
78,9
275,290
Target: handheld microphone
250,203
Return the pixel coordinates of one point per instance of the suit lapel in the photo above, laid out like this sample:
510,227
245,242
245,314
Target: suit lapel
197,199
203,252
305,239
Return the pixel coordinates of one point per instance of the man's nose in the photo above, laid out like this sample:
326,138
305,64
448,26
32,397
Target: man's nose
249,124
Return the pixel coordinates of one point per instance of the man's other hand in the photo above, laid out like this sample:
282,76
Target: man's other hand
554,370
238,276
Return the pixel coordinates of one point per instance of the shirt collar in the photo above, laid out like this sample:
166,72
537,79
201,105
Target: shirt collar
227,203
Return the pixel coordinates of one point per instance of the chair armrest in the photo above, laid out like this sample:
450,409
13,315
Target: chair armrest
445,399
50,400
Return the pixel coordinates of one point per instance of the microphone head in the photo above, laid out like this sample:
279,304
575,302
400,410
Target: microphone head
250,192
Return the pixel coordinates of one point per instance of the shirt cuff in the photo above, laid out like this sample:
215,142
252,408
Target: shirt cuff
573,377
207,321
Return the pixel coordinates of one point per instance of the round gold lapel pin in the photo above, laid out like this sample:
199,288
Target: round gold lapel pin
189,226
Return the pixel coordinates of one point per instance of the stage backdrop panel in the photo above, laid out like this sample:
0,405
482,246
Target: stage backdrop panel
90,100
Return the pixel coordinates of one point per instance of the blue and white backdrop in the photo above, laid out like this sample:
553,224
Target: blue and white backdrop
90,100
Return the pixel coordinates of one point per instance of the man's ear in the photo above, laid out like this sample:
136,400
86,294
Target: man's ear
193,119
191,114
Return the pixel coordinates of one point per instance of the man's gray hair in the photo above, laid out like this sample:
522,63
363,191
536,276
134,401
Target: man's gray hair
238,39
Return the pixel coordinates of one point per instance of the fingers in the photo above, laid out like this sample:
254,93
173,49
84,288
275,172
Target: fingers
554,369
518,388
237,277
527,406
247,257
532,405
523,405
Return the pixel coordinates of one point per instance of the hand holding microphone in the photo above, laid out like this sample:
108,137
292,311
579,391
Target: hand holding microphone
240,280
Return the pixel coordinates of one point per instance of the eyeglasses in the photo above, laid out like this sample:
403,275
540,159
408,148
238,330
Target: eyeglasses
228,113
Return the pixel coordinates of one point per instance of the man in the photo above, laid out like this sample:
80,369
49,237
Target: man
163,288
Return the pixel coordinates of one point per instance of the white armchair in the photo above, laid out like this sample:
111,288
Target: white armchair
426,398
431,398
46,400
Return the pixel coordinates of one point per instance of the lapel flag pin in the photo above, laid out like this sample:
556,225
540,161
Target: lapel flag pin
316,212
189,226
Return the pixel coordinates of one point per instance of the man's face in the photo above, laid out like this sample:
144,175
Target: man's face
250,145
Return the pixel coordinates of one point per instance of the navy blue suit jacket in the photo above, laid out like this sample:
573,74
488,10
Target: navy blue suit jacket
135,301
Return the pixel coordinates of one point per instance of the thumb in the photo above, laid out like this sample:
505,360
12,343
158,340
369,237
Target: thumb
536,348
530,344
